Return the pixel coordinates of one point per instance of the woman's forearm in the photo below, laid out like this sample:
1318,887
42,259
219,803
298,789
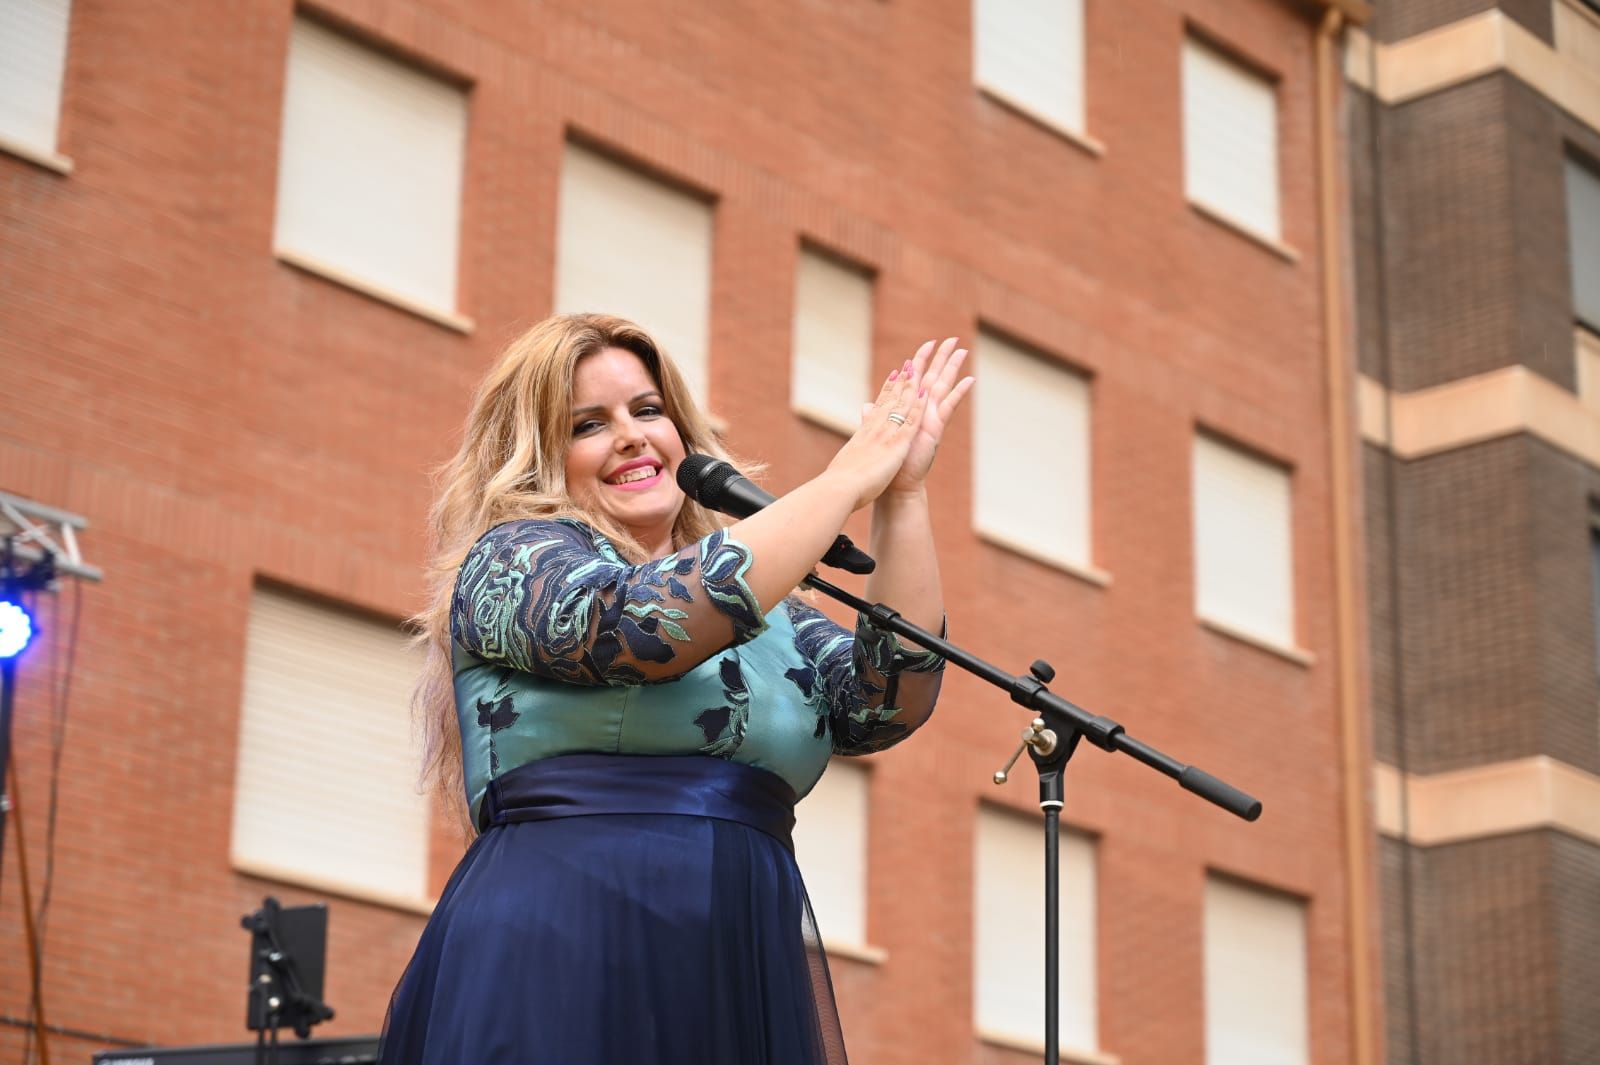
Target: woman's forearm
787,537
907,577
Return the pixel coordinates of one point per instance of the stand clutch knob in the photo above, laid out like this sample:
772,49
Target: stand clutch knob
1036,736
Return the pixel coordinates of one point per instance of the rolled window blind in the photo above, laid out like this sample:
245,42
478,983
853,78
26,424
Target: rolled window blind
1243,543
1031,52
830,845
1008,992
325,791
1255,970
1031,452
629,245
369,172
33,59
1230,139
832,340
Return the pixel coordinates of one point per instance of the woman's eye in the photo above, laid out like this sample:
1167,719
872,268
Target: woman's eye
584,427
648,412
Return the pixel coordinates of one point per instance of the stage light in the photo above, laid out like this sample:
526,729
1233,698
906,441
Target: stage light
16,629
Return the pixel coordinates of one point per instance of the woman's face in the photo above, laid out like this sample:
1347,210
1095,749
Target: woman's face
625,451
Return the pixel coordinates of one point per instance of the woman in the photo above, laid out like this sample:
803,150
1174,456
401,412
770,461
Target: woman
619,908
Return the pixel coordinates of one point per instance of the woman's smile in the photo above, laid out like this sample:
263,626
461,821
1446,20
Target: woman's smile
624,447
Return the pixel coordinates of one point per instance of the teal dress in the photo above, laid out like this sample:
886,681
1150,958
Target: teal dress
634,739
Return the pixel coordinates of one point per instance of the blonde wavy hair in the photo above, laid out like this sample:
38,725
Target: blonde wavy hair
511,465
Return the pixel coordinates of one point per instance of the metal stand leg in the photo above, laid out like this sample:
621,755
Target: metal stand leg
1052,767
1052,936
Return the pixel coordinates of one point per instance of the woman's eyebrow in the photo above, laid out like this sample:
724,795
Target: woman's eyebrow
597,407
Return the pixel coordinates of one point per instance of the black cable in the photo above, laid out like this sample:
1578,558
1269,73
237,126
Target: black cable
58,736
60,695
74,1033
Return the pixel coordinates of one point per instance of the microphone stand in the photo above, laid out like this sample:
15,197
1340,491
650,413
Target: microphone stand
1051,740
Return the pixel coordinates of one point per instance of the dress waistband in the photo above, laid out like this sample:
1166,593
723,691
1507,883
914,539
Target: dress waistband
581,785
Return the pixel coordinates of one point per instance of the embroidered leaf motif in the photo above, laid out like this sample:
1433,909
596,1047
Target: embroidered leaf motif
712,721
724,726
496,716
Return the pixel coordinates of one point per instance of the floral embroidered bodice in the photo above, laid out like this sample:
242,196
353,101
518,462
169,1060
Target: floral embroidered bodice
561,646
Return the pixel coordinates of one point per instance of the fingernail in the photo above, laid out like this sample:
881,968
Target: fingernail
921,392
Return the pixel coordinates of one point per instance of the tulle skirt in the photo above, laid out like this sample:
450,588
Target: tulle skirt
622,909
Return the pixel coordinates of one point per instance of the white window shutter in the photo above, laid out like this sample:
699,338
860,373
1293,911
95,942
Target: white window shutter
33,60
830,846
832,340
1583,232
1031,53
632,246
1031,453
325,791
369,175
1255,965
1230,139
1008,913
1243,542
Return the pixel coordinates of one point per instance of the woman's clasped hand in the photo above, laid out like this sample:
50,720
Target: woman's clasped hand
894,447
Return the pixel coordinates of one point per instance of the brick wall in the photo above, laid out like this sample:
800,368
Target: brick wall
1482,620
1399,19
1496,635
1499,960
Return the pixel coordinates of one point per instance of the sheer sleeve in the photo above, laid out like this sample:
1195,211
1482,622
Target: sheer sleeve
553,597
875,690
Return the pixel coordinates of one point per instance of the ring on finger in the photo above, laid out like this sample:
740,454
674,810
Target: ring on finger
896,417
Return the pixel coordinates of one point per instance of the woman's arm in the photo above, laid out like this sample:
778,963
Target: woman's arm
907,577
899,682
549,597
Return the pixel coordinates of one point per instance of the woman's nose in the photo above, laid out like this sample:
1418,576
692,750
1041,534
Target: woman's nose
630,434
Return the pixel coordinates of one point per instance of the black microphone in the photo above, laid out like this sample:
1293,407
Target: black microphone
716,485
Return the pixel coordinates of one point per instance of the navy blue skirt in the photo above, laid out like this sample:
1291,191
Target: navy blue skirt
622,909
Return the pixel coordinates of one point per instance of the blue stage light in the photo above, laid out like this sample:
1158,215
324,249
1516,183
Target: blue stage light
16,629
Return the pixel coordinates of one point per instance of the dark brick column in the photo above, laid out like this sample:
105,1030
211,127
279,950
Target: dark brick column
1482,619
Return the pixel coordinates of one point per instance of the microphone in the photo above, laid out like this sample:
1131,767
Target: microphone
716,485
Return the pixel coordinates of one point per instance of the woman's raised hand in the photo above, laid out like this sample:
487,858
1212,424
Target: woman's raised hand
890,425
940,372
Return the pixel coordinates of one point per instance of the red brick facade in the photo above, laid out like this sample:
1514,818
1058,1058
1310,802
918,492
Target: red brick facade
221,417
